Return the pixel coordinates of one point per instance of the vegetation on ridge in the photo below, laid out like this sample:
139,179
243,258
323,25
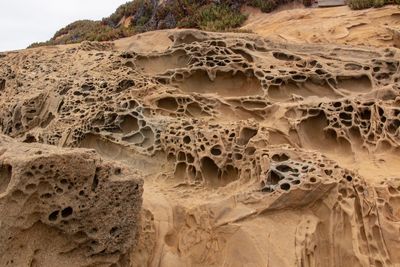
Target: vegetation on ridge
363,4
145,15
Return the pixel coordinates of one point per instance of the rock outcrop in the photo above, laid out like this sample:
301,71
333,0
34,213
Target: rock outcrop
253,152
60,206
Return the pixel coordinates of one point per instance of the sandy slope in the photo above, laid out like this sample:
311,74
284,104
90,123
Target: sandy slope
327,25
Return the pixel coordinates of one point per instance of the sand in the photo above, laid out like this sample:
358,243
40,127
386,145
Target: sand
252,149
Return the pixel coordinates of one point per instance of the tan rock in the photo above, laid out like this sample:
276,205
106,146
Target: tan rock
89,207
253,152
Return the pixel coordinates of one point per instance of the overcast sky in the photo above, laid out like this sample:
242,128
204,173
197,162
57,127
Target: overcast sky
23,22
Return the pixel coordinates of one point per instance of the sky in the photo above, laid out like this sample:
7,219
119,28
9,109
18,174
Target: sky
23,22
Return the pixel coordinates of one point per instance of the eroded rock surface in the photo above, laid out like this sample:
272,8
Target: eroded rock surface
60,206
253,152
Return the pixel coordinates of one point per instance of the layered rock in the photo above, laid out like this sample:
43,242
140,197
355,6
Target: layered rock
253,152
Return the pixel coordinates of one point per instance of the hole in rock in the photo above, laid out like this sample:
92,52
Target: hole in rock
54,215
355,84
67,212
5,177
167,103
102,146
244,54
365,114
171,239
189,158
304,89
194,109
277,138
250,150
2,84
284,168
181,156
44,187
129,124
229,174
113,230
280,157
30,187
46,122
345,116
352,66
148,135
186,139
228,84
117,171
337,104
285,57
274,177
216,151
46,196
95,182
393,126
267,189
124,85
254,104
136,138
210,171
245,135
188,38
285,186
314,133
160,64
180,171
29,139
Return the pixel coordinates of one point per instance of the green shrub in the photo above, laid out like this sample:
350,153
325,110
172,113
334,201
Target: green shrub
140,10
363,4
126,9
182,12
360,4
264,5
147,15
379,3
218,18
38,44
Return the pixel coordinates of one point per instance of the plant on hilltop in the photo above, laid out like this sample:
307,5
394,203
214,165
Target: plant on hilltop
218,18
145,15
264,5
363,4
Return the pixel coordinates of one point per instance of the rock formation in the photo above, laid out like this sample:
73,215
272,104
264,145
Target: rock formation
252,152
338,25
60,206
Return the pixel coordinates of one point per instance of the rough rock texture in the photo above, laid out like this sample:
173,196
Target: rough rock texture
339,25
253,152
89,207
396,37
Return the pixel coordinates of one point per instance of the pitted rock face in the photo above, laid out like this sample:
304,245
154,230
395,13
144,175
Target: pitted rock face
243,143
69,191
